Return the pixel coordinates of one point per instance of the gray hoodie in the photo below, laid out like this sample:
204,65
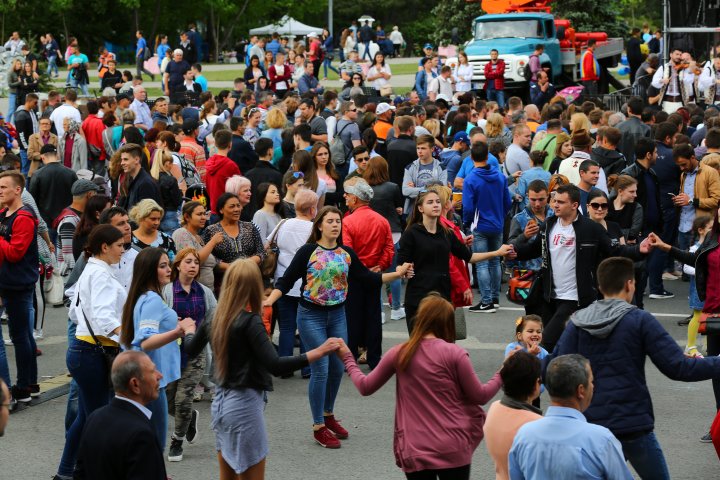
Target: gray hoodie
599,318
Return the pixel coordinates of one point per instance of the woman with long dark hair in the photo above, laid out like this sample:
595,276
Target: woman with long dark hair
325,171
427,244
148,324
244,361
253,72
269,212
325,268
88,220
379,73
96,308
194,218
435,435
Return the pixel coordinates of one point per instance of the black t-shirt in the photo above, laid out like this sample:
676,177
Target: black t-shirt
614,232
175,71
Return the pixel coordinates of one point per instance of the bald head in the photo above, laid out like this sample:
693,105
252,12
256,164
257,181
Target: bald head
134,376
532,112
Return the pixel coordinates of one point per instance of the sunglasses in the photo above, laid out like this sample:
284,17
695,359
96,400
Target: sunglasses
298,175
598,206
361,159
253,110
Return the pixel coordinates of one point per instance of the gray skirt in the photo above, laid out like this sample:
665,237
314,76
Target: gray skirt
239,425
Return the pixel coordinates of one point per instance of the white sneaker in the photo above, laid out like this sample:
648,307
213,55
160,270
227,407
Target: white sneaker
8,342
398,314
384,318
38,334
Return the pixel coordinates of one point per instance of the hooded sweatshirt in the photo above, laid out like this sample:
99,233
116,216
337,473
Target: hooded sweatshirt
217,170
486,195
611,161
599,318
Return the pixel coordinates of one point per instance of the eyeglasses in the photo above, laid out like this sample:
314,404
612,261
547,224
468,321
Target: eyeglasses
598,206
298,175
352,110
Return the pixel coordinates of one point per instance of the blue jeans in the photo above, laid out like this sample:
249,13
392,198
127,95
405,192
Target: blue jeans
52,66
71,410
82,86
315,327
159,419
4,369
87,366
12,105
496,96
327,63
646,457
169,222
25,163
287,322
489,271
366,51
395,287
21,317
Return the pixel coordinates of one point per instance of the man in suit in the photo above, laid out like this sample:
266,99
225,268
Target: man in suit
118,441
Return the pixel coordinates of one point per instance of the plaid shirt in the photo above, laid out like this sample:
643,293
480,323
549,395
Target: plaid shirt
188,305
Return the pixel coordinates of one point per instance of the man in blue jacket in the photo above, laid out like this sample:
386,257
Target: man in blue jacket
486,203
616,337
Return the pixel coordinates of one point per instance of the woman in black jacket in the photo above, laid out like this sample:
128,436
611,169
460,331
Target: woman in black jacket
244,360
169,190
706,261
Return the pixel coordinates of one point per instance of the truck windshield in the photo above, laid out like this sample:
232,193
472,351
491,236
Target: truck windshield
508,29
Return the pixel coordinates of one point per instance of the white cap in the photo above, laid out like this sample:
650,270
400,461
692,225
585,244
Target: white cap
312,35
383,107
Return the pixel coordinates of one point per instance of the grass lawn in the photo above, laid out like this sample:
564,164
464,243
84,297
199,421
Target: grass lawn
230,75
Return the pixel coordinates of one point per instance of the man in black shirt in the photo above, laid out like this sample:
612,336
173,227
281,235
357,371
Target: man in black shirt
112,78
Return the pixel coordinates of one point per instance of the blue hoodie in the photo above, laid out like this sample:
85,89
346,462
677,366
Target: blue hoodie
485,191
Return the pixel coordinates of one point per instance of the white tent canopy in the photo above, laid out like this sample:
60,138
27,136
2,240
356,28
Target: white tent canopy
286,26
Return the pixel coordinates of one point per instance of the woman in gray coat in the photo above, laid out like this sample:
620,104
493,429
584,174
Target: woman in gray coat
74,144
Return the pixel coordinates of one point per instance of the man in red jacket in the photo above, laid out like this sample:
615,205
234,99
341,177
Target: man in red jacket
93,127
368,233
219,168
495,79
590,69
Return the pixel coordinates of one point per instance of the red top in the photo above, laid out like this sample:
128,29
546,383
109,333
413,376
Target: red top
67,153
459,274
275,78
496,74
368,234
219,169
712,286
93,127
315,51
438,414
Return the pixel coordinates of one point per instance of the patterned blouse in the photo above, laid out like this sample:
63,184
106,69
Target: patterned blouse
162,240
247,244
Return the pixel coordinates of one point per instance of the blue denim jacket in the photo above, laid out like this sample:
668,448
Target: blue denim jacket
517,227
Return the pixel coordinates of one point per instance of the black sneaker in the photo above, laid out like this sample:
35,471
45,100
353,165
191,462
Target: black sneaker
662,295
176,452
192,432
21,394
685,321
496,302
483,308
706,438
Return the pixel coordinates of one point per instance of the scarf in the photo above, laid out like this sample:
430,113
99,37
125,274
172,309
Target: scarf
517,405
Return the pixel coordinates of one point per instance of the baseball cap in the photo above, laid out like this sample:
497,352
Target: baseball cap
312,35
82,186
360,189
462,137
49,148
123,96
383,107
428,45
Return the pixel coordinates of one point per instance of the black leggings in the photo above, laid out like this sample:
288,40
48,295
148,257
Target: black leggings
713,349
457,473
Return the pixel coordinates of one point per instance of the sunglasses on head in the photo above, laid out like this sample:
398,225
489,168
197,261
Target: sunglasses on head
598,206
298,175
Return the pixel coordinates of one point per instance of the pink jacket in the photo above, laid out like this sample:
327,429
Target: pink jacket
438,415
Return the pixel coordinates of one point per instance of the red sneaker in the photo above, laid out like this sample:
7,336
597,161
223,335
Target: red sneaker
335,427
325,438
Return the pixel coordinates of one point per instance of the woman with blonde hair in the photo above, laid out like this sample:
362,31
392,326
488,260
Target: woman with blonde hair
244,360
189,299
275,122
579,121
495,130
147,214
169,190
563,149
435,435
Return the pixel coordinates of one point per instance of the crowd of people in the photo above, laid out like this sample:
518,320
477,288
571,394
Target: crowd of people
186,232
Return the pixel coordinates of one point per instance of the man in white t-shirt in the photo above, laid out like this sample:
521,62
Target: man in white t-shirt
441,85
571,246
66,110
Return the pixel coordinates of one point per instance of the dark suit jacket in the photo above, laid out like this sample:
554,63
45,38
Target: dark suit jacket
119,443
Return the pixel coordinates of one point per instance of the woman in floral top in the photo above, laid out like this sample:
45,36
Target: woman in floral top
148,215
325,267
240,239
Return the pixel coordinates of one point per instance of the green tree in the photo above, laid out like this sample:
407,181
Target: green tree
593,15
454,13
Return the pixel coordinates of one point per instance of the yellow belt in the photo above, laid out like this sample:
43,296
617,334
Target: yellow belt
104,341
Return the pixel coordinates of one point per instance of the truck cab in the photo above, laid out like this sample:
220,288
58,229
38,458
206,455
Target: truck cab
514,36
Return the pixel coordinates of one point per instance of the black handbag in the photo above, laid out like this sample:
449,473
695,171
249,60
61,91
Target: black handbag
108,353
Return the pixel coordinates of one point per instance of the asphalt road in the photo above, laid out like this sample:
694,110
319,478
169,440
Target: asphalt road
34,438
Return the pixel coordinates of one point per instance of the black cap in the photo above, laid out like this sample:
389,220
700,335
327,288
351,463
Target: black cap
190,126
123,96
49,148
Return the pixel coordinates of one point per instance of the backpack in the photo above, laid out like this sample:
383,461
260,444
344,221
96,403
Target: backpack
339,153
188,170
147,53
527,72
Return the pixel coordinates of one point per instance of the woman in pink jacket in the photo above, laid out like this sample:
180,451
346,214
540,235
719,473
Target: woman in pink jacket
438,415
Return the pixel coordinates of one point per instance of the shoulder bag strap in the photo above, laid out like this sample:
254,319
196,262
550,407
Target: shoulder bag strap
82,311
273,240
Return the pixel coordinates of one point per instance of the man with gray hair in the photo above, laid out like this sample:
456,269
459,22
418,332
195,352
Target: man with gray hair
143,117
563,444
131,450
368,234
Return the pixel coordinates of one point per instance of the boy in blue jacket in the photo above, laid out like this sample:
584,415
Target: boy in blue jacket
616,337
486,203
